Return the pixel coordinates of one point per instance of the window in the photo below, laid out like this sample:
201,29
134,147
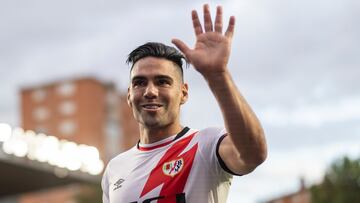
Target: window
66,89
38,95
40,113
67,108
67,127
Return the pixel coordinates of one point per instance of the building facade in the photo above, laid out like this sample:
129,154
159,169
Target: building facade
85,111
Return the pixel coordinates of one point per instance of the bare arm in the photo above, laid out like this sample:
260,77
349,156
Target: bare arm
245,147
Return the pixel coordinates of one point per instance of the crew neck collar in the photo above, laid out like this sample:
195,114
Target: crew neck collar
163,142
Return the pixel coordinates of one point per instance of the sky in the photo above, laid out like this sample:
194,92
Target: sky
296,62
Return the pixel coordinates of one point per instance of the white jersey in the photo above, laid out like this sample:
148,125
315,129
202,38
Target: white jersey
182,168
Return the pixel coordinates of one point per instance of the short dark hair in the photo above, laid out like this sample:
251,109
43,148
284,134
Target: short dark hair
159,50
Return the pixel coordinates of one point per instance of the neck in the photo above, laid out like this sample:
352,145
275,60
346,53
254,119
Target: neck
151,135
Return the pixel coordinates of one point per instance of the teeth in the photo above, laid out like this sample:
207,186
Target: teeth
151,106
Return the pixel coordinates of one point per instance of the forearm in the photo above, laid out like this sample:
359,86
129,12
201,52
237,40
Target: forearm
241,123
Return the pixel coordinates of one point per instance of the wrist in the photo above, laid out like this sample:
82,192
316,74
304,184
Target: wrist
216,77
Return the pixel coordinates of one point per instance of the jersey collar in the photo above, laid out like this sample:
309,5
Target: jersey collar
162,142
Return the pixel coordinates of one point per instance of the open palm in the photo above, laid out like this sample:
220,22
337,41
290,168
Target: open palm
212,48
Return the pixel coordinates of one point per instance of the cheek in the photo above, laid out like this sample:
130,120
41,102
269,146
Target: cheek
174,99
134,98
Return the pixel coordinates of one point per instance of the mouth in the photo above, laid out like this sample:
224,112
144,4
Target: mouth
151,107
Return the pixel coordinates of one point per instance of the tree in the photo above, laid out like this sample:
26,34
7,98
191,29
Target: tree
341,183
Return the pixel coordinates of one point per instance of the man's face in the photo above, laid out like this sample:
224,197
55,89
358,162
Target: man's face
156,92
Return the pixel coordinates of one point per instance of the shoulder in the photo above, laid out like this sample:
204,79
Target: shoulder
209,137
212,131
117,165
121,158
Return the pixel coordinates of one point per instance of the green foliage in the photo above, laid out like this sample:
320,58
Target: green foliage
341,183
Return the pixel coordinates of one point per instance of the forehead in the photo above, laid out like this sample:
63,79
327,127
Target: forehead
153,66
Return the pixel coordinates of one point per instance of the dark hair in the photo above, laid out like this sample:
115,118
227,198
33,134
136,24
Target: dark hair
159,50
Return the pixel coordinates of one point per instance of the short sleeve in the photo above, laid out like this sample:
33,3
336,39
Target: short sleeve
210,139
220,160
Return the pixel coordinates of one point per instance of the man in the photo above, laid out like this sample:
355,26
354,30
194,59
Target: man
172,163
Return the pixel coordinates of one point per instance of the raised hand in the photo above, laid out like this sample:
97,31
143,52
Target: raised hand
212,48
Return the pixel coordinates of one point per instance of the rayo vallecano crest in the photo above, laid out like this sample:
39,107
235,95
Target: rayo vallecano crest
173,167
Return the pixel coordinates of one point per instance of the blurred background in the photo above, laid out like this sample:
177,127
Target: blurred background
63,79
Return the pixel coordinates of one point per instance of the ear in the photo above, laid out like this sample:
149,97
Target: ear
184,92
128,97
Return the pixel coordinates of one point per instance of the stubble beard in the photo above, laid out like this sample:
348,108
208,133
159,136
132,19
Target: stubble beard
150,120
158,121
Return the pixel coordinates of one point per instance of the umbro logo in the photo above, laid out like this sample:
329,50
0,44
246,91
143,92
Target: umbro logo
118,183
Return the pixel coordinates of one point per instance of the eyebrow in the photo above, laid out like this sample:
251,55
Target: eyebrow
140,77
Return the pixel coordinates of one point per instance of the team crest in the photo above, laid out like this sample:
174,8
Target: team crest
173,167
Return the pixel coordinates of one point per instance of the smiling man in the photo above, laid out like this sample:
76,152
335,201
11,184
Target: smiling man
172,163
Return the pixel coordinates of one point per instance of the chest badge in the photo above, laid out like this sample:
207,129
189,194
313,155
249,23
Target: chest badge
173,167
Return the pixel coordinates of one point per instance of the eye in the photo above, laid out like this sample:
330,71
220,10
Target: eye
138,83
164,82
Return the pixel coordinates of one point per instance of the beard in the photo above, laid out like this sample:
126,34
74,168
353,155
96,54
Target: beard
155,120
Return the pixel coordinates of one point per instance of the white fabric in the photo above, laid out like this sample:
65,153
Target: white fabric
126,175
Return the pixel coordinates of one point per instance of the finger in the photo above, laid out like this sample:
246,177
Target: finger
181,46
218,20
196,23
231,27
207,19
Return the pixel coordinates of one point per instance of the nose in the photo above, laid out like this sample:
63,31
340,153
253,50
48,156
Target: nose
151,91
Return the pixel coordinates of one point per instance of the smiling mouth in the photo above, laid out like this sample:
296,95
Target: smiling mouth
151,107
